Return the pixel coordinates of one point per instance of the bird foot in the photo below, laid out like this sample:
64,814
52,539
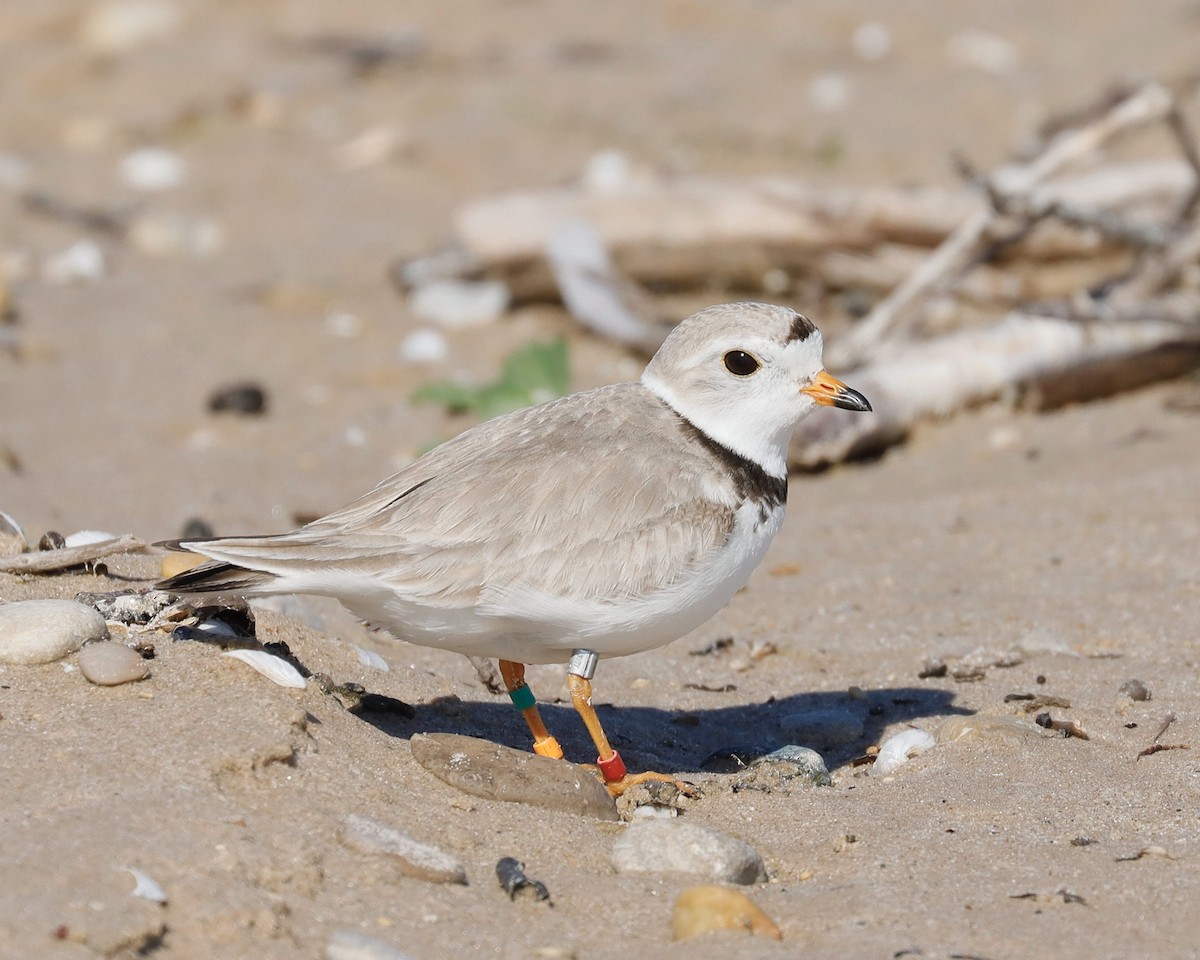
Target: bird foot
617,788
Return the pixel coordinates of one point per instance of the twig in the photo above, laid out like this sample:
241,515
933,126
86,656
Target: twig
1191,153
46,561
862,343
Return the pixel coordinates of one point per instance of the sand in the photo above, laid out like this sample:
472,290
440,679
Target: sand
1063,546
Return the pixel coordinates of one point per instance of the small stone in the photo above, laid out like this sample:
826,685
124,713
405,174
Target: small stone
701,909
789,766
676,846
122,26
171,235
42,631
152,169
1135,690
423,347
495,772
872,40
247,399
111,664
352,945
456,304
983,727
83,260
412,858
52,540
822,728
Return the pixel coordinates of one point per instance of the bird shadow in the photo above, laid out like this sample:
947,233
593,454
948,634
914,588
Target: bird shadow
687,740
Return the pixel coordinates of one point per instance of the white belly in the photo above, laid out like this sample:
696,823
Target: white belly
532,627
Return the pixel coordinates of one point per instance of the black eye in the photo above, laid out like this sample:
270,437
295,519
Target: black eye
740,364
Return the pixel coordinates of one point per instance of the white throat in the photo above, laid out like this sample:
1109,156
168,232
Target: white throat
767,448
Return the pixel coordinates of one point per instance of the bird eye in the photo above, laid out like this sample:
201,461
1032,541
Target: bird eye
740,364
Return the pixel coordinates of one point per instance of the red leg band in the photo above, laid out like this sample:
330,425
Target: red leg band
613,768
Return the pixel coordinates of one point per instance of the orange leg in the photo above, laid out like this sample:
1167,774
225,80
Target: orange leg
523,699
609,762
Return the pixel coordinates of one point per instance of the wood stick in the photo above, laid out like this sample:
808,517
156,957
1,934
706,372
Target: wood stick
47,561
1150,103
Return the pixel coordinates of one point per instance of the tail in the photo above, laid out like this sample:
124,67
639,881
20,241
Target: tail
213,576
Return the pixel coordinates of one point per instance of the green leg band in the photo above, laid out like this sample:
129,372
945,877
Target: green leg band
523,697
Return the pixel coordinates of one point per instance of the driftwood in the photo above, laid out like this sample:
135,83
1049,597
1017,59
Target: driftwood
48,561
1044,361
1056,285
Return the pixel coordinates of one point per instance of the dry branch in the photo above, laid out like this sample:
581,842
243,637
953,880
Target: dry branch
48,561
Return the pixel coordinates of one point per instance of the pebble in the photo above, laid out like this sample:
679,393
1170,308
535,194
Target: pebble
247,399
899,749
983,51
423,347
676,846
352,945
457,304
494,772
122,26
42,631
779,770
822,728
1135,690
983,727
412,858
111,664
872,40
152,169
701,909
171,235
83,260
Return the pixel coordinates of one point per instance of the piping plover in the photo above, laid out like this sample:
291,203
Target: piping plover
602,524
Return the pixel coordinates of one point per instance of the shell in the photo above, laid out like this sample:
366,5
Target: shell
274,668
898,750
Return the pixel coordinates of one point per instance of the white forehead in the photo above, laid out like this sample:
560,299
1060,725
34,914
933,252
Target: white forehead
755,327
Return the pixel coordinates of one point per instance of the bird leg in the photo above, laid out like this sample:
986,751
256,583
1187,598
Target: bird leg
580,670
524,700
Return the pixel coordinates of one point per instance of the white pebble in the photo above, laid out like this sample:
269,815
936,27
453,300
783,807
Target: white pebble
898,750
14,172
677,846
274,668
111,664
352,945
42,631
145,887
82,260
373,146
456,304
369,658
424,346
983,51
173,236
872,40
122,26
152,169
829,92
343,324
608,171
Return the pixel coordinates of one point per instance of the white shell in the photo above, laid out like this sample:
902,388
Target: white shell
898,750
274,668
145,887
81,538
369,658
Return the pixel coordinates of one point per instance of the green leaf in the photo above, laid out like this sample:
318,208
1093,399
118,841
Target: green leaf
533,374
